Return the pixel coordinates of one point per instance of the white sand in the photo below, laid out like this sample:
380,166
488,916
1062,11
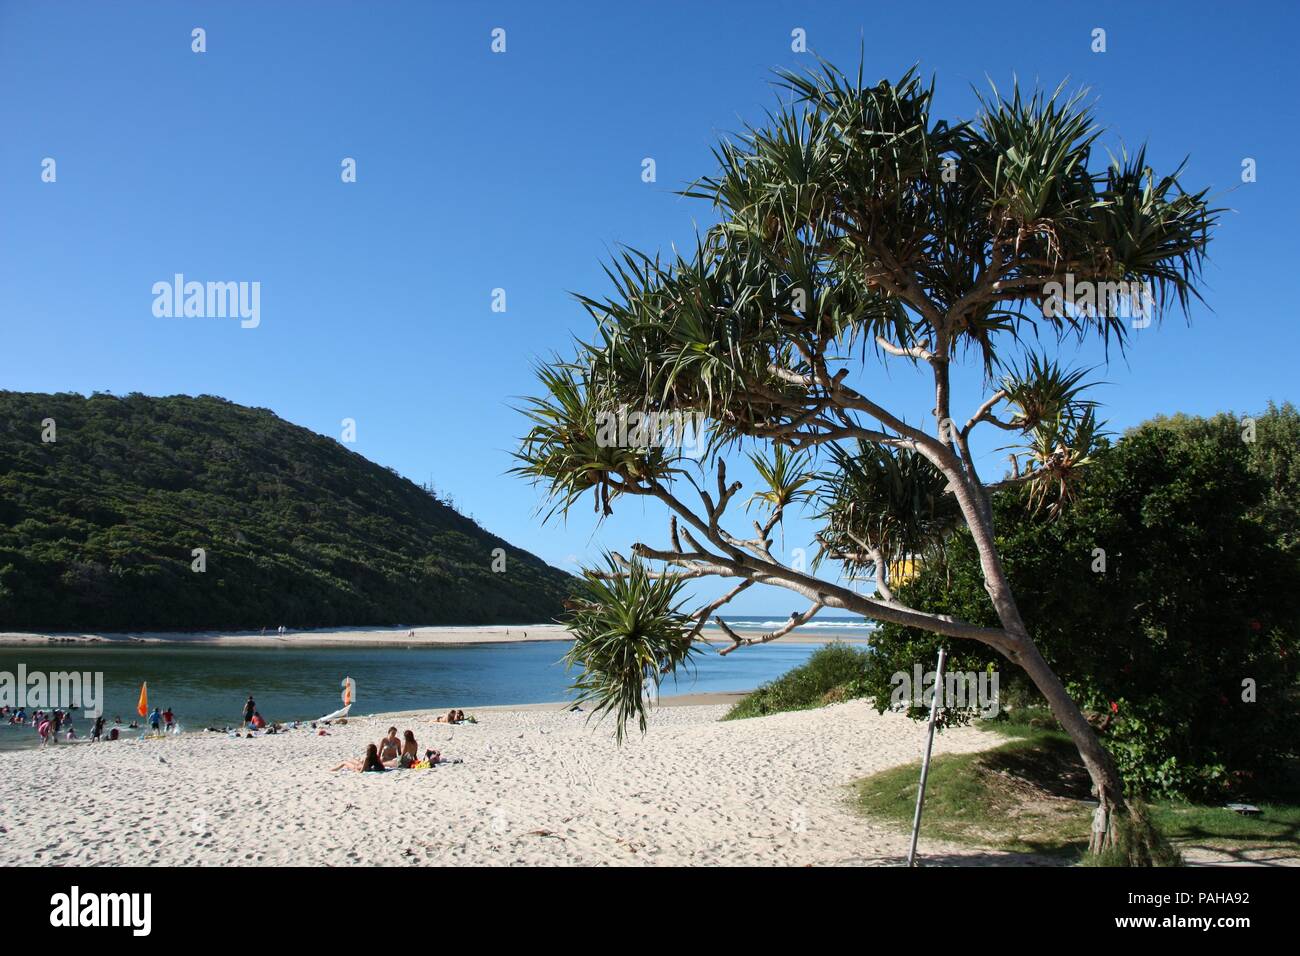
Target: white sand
537,786
327,637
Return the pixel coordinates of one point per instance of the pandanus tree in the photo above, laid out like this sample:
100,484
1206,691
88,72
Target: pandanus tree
855,230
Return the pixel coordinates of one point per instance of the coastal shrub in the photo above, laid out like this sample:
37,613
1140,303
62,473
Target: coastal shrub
831,673
1165,597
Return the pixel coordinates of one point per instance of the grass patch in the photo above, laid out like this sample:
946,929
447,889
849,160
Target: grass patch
1276,826
1026,796
1021,722
831,674
1031,795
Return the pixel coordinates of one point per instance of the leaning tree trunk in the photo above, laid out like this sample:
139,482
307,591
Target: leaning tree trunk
1022,650
1101,768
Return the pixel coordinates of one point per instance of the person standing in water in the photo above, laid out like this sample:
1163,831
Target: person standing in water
249,709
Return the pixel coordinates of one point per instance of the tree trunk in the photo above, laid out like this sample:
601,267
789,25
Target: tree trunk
1101,768
1022,650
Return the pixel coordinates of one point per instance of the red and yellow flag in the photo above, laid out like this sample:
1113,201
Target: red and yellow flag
142,708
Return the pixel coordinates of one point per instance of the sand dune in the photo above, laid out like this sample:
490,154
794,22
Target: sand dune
537,786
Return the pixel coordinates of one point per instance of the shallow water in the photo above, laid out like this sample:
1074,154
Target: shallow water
207,686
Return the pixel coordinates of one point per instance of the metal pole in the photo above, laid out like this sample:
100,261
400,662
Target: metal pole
925,764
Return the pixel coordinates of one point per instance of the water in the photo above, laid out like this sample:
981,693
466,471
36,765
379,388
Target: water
831,628
207,685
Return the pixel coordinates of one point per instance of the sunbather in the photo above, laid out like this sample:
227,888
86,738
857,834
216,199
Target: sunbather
369,763
410,752
390,746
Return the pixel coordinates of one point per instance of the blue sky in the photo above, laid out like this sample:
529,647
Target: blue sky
522,171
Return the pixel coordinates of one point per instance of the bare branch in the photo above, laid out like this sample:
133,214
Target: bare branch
916,351
985,411
703,614
795,620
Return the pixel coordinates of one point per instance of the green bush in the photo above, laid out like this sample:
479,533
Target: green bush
1199,597
834,672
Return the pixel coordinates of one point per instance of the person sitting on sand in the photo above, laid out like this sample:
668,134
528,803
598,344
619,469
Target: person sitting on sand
410,752
435,757
390,746
258,721
453,717
370,763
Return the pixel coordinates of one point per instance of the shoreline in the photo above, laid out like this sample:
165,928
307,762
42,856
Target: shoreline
353,637
721,698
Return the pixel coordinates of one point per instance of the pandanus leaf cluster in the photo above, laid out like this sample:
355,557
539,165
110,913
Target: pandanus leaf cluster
629,631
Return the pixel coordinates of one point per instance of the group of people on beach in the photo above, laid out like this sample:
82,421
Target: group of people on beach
50,724
403,752
252,719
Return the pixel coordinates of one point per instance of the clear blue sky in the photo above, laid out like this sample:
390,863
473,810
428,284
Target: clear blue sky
522,171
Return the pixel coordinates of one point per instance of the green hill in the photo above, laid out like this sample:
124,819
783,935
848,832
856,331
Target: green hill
97,528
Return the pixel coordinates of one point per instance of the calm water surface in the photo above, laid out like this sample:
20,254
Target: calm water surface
207,686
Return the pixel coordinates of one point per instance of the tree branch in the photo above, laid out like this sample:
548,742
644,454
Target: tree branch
796,619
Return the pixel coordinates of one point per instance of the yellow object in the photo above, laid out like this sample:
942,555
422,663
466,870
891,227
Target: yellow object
142,708
903,570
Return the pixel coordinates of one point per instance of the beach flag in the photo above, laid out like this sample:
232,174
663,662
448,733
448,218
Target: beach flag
142,708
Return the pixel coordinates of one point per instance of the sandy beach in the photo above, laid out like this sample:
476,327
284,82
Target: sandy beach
333,637
538,785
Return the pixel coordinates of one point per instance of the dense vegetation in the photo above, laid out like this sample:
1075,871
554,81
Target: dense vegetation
1186,643
97,528
832,673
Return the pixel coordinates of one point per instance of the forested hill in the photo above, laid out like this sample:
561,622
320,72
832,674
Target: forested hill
98,527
